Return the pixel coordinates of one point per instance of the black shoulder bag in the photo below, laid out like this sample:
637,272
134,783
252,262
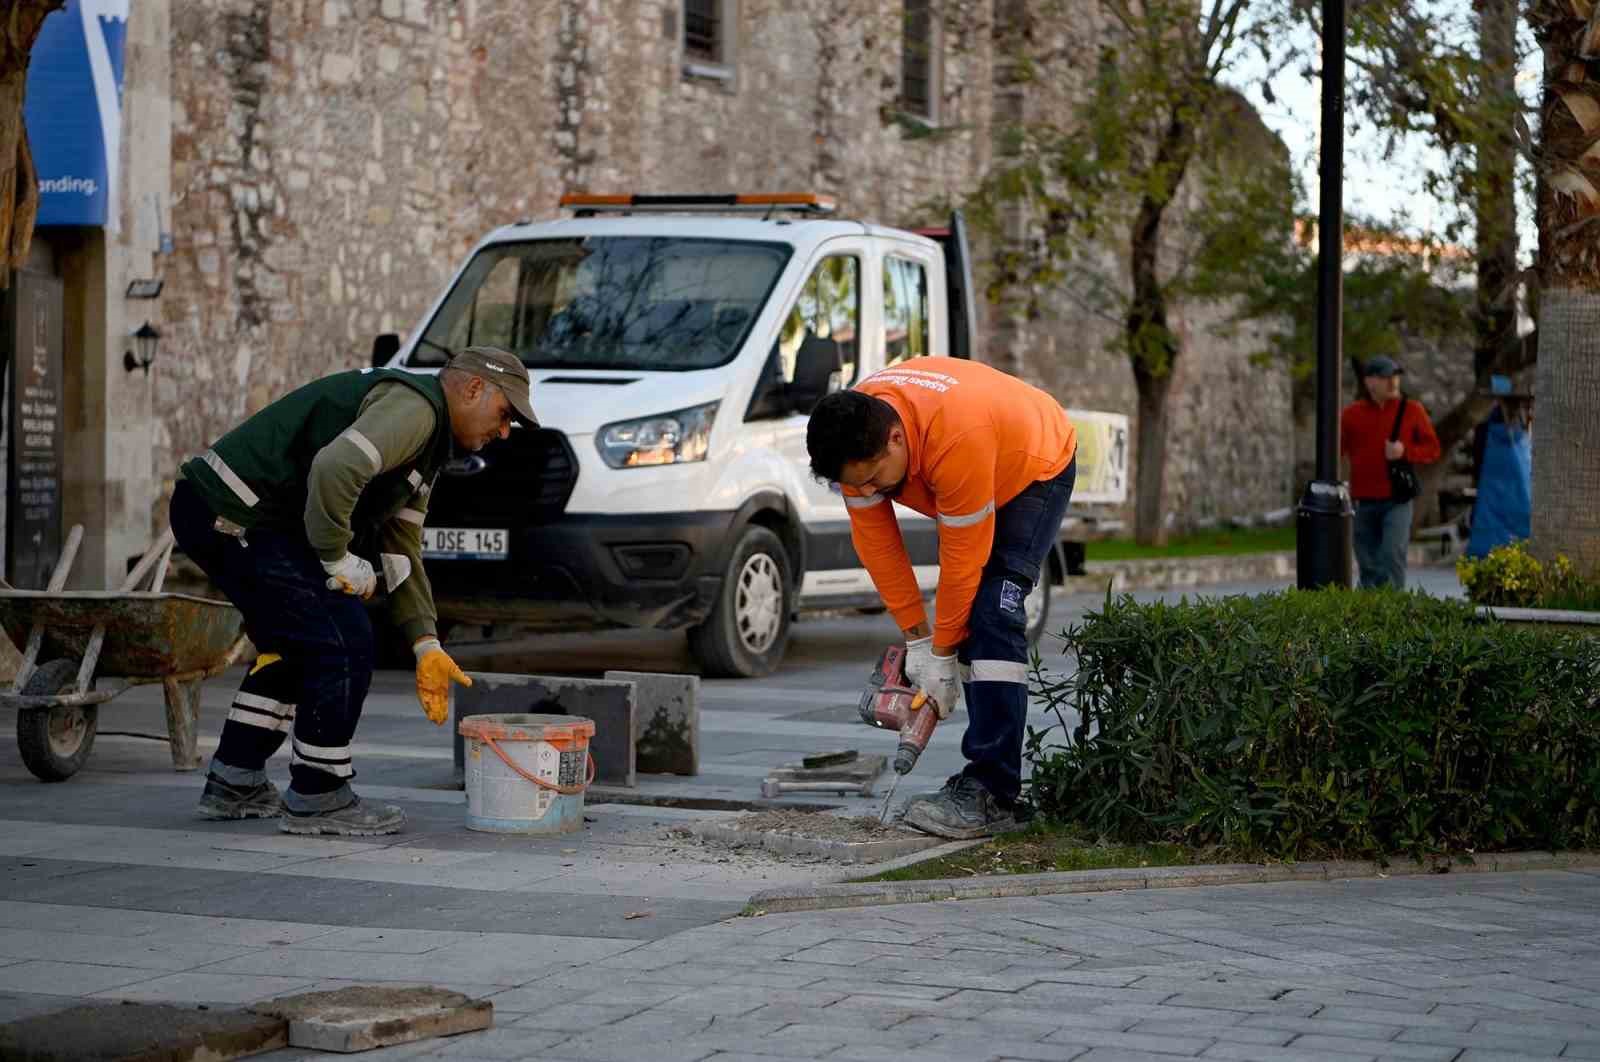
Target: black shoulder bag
1403,485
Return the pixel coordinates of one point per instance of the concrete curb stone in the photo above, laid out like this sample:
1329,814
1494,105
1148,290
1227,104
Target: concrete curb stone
868,894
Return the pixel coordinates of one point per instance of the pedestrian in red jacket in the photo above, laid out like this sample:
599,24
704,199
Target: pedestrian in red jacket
1374,431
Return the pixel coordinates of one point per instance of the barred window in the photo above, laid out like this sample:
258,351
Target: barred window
703,30
917,60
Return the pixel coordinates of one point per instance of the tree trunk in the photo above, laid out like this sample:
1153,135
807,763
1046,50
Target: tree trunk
1495,348
1152,347
1494,180
19,185
1150,456
1566,440
1566,451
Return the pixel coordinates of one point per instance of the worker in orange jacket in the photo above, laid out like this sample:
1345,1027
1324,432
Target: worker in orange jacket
992,459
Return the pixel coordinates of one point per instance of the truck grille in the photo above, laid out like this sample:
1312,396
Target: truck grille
514,482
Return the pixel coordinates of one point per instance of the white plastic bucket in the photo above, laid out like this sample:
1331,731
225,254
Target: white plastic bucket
527,773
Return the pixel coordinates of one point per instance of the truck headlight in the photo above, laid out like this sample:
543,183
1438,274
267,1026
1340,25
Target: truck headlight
667,439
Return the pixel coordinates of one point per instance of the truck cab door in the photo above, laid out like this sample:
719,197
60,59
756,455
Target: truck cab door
822,330
960,299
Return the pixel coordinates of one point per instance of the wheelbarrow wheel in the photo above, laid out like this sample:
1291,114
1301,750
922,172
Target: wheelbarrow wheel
55,742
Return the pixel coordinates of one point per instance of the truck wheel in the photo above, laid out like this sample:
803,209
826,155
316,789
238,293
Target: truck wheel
55,742
748,630
1036,606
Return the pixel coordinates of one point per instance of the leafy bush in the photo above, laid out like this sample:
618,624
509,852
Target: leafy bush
1303,724
1513,577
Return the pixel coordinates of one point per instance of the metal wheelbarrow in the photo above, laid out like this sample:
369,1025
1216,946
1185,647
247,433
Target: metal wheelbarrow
96,644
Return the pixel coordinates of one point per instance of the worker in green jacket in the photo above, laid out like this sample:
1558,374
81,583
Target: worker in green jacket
295,515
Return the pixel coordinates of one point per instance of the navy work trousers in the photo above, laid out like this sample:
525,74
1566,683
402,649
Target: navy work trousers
324,643
994,657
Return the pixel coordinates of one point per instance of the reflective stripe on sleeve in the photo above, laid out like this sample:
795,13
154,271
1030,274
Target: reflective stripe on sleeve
999,671
364,444
215,462
410,516
415,479
853,502
966,519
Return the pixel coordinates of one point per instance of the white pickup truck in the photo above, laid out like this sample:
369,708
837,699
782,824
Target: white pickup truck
676,346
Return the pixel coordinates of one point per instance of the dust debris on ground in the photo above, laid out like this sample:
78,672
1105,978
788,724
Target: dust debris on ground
823,827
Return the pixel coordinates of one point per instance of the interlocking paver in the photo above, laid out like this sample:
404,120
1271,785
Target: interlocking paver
971,1047
1239,1034
1261,1053
1385,1049
1365,1014
1325,1027
1171,1045
1533,1046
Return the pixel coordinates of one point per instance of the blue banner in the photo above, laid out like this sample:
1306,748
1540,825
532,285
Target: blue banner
73,111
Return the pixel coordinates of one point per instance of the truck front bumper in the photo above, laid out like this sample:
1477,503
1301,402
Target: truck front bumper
659,570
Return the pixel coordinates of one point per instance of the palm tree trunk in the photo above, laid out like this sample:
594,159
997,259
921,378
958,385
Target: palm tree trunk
19,185
1566,451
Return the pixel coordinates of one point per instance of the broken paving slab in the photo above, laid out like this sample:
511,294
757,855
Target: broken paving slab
363,1017
666,722
140,1032
842,839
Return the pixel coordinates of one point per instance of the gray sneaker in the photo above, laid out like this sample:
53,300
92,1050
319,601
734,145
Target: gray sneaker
220,801
357,819
964,810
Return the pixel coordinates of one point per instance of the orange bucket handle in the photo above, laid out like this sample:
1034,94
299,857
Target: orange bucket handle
564,790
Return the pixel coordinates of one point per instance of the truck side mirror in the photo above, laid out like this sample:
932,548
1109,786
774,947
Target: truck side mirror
771,398
818,368
384,347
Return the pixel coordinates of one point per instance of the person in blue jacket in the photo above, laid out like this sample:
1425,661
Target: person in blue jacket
1503,464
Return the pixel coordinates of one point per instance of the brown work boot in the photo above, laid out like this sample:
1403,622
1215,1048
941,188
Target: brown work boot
359,818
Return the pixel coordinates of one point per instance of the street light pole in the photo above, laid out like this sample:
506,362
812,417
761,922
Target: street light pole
1322,524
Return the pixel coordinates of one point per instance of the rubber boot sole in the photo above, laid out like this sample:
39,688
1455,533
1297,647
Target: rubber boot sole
956,833
315,826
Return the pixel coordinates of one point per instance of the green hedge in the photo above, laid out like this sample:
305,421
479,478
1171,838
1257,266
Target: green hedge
1304,724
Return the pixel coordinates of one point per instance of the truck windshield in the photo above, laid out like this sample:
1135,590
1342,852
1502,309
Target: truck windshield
607,302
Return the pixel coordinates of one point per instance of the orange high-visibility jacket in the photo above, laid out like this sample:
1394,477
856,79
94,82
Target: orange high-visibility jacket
976,439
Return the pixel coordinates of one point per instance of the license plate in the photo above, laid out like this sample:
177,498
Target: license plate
470,543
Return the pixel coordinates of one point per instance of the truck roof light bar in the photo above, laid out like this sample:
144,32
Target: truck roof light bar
798,202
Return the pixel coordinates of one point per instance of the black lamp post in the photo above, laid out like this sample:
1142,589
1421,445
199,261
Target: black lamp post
145,339
1322,524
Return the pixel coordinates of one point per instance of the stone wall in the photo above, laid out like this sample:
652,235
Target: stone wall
333,160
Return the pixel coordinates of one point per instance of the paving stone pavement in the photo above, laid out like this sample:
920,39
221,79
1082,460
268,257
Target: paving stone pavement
1452,968
622,943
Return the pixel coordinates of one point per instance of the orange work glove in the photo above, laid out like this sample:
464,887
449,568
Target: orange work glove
435,672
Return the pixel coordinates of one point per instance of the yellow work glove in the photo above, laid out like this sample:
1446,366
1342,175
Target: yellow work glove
435,672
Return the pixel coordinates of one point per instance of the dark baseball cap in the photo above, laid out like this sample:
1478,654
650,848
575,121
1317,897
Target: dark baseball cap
506,371
1382,365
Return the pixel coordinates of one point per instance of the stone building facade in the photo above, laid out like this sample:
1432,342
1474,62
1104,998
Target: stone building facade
333,160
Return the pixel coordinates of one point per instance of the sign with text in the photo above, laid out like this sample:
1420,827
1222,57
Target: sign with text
73,111
34,418
1102,457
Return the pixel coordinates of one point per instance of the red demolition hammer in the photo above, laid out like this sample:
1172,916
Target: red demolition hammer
891,703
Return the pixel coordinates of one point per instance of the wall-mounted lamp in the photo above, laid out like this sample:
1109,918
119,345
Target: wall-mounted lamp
145,340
